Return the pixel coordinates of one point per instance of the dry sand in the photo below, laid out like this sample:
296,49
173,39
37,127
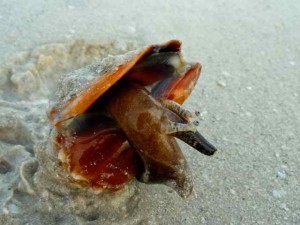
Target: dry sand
248,95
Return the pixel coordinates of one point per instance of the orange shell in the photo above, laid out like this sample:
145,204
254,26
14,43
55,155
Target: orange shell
100,152
103,79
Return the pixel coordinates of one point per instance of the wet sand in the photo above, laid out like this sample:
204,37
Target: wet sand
248,95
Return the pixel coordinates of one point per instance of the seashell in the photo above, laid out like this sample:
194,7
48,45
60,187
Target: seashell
118,119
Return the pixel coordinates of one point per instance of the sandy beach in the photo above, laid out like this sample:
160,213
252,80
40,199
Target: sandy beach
248,96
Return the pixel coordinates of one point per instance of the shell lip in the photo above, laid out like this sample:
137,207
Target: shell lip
78,104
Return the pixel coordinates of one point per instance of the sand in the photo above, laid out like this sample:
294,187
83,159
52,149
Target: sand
248,95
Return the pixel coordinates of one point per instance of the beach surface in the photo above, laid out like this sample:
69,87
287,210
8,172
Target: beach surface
248,95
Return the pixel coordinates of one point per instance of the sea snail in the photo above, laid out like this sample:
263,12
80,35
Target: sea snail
119,118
